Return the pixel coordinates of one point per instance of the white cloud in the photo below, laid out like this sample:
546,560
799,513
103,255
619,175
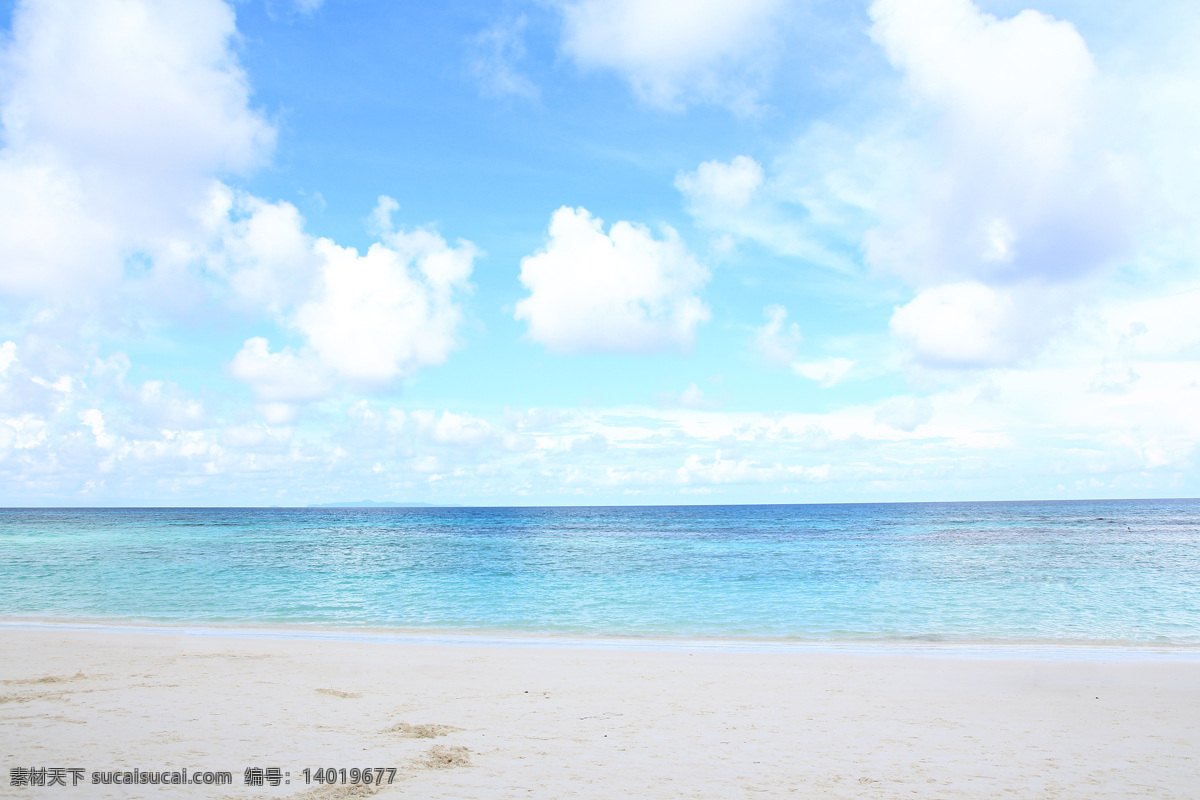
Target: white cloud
456,429
960,188
1008,162
905,413
1028,75
623,291
117,115
386,314
971,324
719,469
284,376
982,435
380,219
1017,182
94,419
964,324
168,406
692,396
1114,379
777,342
256,437
278,413
368,319
828,371
722,186
260,248
8,354
496,53
738,202
23,432
672,53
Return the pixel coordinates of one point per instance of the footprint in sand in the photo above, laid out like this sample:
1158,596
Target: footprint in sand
337,792
441,757
421,731
48,679
337,693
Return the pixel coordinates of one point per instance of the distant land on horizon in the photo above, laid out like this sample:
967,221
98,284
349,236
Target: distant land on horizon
373,504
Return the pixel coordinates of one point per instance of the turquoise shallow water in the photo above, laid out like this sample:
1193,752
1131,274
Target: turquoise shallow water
1114,571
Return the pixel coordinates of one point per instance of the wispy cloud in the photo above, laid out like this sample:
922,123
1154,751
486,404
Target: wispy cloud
495,55
672,53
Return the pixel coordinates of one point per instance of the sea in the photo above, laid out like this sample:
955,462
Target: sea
1091,572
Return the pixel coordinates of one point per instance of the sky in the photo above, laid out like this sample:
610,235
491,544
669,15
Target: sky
575,252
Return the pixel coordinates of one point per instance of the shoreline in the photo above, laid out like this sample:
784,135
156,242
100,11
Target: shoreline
908,646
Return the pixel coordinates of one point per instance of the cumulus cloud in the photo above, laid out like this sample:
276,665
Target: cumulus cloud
948,182
117,116
452,429
721,186
1018,183
621,291
94,419
260,248
368,319
1020,195
971,324
672,53
391,311
1009,166
962,324
1055,430
120,118
284,376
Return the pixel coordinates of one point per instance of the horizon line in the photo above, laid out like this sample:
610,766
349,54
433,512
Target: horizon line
430,506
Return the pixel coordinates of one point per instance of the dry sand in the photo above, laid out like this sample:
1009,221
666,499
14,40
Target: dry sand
484,720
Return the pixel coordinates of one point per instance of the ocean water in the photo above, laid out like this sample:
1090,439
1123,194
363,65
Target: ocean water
1113,572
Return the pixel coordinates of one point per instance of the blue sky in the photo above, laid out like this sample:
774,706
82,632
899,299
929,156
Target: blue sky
597,251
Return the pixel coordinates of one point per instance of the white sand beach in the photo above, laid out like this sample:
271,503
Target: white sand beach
465,719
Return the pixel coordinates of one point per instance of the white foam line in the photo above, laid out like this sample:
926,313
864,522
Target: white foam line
1057,650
